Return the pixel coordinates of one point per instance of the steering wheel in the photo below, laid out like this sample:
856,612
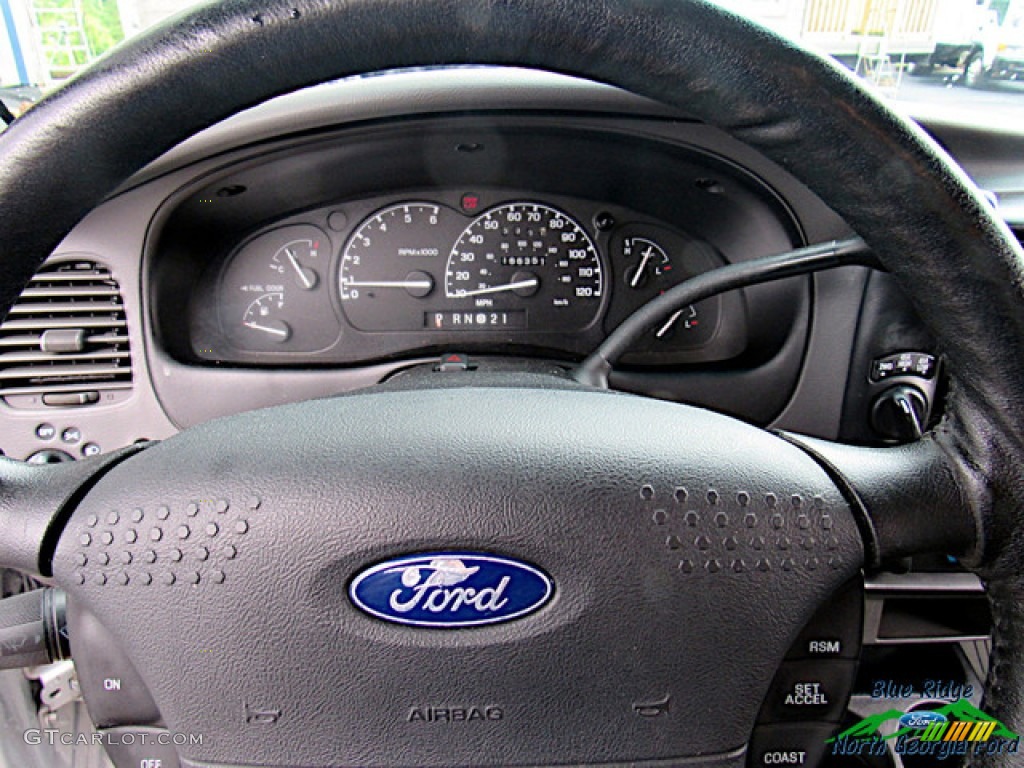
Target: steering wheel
640,519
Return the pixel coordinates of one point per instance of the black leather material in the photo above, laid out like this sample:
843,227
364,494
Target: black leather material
1004,689
35,502
959,265
909,499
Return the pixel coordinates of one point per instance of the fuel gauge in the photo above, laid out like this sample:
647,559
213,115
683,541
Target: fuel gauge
262,316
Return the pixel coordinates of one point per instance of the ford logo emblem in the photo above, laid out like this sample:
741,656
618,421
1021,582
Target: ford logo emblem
921,719
450,590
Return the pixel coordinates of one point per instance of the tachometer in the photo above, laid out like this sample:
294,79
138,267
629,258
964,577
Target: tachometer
388,264
528,257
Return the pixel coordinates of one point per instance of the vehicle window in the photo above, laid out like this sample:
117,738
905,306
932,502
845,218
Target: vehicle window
962,58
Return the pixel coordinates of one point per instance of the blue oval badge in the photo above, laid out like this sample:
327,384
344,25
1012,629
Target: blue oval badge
921,719
450,590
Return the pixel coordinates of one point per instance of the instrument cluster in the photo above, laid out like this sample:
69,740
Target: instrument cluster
490,270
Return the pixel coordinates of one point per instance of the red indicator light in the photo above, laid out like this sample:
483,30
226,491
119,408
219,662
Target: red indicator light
470,202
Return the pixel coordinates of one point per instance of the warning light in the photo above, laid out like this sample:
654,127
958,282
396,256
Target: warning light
470,202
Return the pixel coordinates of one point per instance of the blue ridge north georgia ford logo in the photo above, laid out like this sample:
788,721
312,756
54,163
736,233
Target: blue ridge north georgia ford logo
450,589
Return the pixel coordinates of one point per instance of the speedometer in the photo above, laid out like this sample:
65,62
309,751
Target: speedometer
530,258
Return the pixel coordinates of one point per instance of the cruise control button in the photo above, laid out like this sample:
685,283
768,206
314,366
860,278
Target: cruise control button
835,630
789,746
140,748
809,690
113,689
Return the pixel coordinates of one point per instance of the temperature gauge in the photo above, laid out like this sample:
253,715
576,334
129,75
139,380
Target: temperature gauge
296,260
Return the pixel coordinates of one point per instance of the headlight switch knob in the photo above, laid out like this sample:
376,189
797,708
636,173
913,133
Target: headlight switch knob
900,413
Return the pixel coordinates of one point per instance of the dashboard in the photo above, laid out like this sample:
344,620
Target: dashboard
332,238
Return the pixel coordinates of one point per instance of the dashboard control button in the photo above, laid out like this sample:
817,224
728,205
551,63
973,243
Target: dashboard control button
454,362
70,398
58,340
900,413
140,748
603,221
46,431
91,449
71,435
49,456
809,690
112,688
337,221
835,630
789,746
919,364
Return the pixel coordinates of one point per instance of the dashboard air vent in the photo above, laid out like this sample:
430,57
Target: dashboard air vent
65,342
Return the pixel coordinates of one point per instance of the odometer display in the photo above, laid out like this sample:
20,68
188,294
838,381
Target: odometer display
527,256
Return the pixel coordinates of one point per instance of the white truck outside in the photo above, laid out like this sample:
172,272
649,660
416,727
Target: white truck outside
983,42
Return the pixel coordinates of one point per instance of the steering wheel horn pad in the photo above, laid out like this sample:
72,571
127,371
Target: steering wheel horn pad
683,567
958,264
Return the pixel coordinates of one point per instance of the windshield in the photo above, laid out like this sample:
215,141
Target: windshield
956,59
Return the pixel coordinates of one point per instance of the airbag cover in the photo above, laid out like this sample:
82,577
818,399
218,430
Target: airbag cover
683,564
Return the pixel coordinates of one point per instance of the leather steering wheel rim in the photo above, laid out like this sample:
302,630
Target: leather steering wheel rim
957,262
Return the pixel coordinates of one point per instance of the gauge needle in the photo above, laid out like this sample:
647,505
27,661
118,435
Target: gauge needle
306,281
669,323
532,282
407,284
267,329
640,270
